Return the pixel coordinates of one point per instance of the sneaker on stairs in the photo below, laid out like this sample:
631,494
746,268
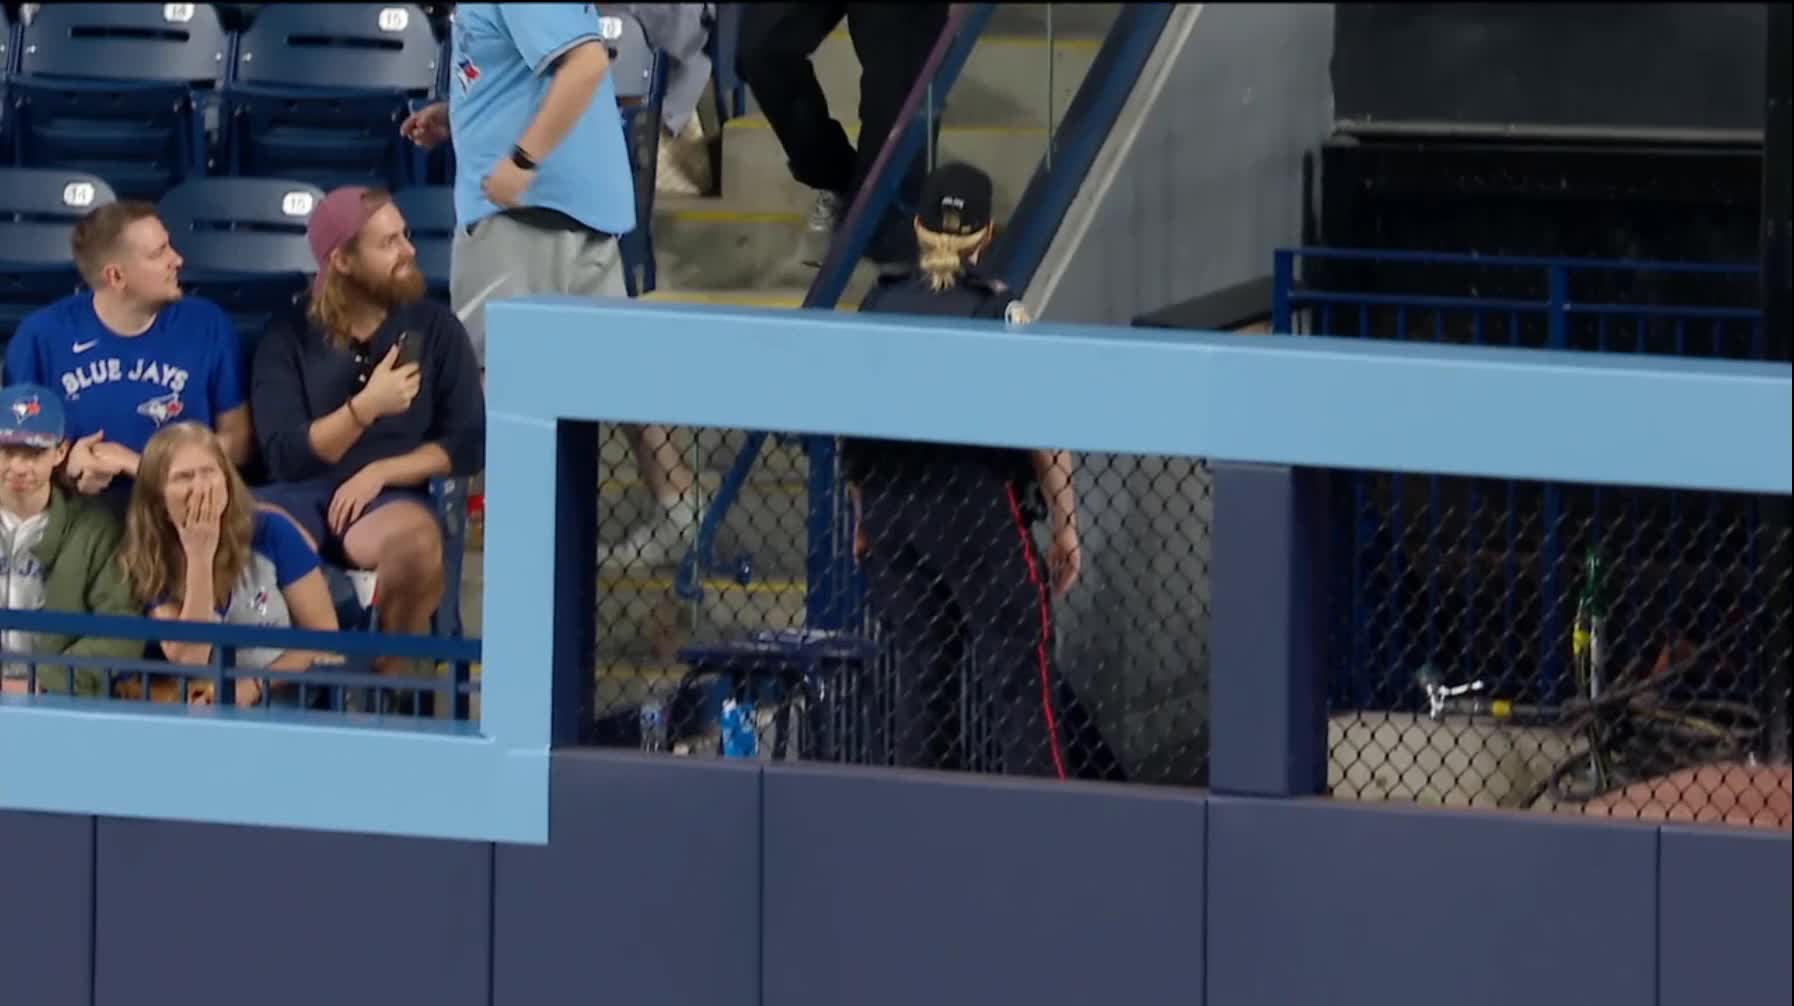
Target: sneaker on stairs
656,544
682,162
819,229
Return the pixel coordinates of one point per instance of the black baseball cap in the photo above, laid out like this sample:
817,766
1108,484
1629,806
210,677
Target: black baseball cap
955,200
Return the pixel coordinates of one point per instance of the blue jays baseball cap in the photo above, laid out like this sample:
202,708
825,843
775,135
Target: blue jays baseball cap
30,415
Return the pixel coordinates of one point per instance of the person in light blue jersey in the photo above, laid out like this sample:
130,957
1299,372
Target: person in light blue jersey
543,188
131,354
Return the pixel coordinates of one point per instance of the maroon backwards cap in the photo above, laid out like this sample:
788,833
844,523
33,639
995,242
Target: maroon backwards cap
336,220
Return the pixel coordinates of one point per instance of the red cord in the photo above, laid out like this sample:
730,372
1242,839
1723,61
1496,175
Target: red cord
1046,628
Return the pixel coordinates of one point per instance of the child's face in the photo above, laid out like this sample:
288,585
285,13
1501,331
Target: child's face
25,470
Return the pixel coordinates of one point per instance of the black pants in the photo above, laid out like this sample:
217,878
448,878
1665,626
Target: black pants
953,576
892,42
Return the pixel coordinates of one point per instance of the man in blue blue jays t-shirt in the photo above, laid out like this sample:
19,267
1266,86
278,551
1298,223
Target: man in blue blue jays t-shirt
542,190
131,354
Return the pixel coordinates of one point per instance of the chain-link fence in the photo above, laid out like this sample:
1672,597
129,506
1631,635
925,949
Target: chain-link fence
935,637
1524,645
1615,651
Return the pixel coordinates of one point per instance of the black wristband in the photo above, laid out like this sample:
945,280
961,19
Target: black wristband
522,159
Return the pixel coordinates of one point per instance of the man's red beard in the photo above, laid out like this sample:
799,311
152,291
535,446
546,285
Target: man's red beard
403,285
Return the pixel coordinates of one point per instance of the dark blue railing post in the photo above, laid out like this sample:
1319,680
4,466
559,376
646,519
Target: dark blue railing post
828,601
575,581
224,687
1283,283
1558,307
1269,590
1557,337
460,698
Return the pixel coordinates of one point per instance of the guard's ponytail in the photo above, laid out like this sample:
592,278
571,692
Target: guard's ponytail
945,256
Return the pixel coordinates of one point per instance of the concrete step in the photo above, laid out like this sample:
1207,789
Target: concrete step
1005,82
767,523
641,619
756,177
702,244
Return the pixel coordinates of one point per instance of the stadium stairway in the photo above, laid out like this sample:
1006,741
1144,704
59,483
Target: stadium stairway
740,247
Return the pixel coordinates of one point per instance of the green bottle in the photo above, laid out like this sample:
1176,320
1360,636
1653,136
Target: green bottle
1588,635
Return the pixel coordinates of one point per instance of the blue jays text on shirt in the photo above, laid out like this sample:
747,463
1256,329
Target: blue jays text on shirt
160,409
23,565
185,366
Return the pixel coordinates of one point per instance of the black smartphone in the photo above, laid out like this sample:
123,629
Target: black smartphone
411,348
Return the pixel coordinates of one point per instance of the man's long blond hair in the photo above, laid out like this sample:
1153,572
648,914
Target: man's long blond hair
945,256
332,302
154,563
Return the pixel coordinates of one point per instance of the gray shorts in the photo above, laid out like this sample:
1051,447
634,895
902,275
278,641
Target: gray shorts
502,259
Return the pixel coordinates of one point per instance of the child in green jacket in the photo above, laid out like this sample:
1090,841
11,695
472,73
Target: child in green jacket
56,550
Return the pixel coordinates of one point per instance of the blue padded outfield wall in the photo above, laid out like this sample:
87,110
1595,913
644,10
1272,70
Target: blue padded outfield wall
232,857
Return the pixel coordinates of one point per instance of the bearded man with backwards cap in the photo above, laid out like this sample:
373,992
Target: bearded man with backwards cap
364,397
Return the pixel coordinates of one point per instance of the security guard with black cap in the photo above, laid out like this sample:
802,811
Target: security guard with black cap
943,531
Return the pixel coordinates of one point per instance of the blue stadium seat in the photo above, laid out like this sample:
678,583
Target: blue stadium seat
7,39
117,90
38,209
316,92
243,240
429,211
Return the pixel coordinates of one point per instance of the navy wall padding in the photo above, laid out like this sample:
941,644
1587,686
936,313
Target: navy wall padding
1417,906
1725,927
215,915
46,908
887,889
1268,723
648,891
678,882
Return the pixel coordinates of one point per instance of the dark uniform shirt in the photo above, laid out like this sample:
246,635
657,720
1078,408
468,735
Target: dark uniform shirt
886,463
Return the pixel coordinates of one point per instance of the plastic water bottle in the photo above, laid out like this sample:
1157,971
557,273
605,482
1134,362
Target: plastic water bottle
740,738
654,726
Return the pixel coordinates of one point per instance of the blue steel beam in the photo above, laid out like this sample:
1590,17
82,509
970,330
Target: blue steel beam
1321,402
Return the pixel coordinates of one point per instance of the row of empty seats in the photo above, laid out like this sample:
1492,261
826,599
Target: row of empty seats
149,95
143,99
